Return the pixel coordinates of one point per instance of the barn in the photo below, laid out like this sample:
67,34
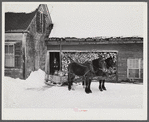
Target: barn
127,52
29,48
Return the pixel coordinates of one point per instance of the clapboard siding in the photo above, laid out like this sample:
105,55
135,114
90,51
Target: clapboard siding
16,72
125,51
32,51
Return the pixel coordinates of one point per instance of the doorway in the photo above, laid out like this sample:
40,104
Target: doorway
54,62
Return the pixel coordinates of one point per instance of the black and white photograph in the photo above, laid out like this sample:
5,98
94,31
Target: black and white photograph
74,60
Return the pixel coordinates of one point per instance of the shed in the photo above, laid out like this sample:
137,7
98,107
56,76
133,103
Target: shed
126,51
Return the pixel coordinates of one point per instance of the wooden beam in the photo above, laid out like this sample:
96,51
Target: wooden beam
92,42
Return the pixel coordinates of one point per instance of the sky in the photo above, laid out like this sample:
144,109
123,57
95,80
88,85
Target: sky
94,19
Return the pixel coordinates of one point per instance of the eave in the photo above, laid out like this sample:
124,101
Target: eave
63,42
17,31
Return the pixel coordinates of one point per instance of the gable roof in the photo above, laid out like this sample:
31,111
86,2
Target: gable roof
21,21
18,21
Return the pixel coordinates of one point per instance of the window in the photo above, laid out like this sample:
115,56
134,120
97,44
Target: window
9,56
134,68
13,55
40,22
54,62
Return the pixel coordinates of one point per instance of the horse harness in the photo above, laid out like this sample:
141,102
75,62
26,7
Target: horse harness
84,76
98,68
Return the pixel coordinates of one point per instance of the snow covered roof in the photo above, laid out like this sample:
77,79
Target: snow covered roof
95,40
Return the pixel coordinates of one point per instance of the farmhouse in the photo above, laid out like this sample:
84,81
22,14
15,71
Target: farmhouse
24,41
29,48
127,52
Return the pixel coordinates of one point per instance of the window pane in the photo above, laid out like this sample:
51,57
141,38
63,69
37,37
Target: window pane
6,48
133,63
136,62
9,60
130,63
38,22
10,48
18,61
41,15
133,73
141,64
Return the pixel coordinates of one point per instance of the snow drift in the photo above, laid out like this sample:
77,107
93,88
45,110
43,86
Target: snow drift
36,79
34,93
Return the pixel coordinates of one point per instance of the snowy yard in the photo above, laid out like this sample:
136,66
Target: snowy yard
33,93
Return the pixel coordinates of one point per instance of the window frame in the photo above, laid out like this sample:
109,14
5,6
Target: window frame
10,54
133,68
42,20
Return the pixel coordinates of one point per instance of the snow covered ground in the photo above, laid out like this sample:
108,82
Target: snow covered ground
34,93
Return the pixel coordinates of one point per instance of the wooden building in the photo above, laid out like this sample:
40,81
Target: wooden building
126,51
25,49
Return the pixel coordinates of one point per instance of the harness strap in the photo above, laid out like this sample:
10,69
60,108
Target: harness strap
84,76
97,68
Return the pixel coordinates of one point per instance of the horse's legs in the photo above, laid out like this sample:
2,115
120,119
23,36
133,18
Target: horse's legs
70,80
88,83
83,82
100,82
103,85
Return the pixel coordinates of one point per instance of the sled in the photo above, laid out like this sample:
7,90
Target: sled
56,80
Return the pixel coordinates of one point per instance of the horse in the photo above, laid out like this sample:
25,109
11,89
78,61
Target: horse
86,70
101,74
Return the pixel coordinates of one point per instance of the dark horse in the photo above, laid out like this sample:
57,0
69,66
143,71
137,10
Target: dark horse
102,75
86,70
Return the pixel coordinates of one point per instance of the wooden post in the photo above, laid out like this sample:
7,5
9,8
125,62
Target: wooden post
60,56
23,63
47,67
117,68
24,54
60,60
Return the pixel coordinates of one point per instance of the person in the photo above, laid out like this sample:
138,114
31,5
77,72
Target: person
55,67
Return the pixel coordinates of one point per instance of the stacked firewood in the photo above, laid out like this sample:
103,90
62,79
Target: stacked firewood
82,57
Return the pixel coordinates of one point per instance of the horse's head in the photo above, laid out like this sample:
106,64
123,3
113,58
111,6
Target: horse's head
110,62
102,65
111,65
99,65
